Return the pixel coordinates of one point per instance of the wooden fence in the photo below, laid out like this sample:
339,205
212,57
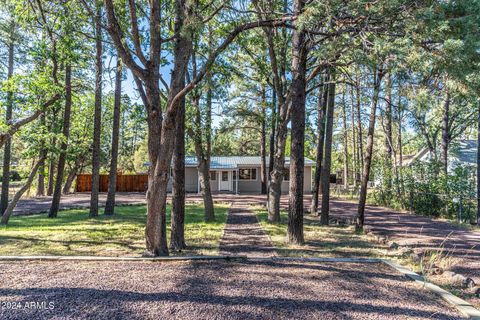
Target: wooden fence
125,183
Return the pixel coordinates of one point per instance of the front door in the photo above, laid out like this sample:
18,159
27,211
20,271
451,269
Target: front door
225,181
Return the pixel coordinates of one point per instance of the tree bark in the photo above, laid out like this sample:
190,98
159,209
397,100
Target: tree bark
57,193
11,206
7,151
445,132
112,176
369,152
327,161
321,109
297,160
51,171
97,117
359,122
177,226
72,174
388,137
478,163
354,143
263,145
345,144
41,168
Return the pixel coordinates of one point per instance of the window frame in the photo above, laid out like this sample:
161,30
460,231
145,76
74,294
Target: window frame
250,174
213,174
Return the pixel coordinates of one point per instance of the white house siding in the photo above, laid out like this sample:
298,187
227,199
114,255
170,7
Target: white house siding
191,180
307,182
244,186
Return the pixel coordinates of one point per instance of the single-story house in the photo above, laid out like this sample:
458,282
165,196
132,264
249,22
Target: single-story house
238,174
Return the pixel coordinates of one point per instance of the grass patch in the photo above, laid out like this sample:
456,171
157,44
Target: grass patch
320,241
74,233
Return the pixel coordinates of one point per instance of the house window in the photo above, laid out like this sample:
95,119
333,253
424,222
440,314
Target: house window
247,174
213,175
286,174
224,175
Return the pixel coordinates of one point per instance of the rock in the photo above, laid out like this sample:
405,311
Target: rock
393,245
468,283
436,271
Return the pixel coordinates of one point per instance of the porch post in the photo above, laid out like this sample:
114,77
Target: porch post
198,183
236,183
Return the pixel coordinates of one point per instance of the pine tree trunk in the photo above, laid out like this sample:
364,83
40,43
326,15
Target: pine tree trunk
345,144
72,174
7,151
327,161
369,152
41,167
321,109
97,118
297,161
57,193
11,206
359,123
478,163
112,176
263,146
445,133
51,171
276,176
177,234
354,143
388,137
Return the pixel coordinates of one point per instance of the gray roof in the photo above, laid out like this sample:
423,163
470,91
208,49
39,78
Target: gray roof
232,162
465,151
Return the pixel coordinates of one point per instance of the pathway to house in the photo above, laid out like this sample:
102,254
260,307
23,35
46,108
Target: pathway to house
243,234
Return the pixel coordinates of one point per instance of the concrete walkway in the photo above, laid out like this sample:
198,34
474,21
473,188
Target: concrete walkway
243,234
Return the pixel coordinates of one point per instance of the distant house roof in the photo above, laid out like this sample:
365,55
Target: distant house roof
461,153
233,162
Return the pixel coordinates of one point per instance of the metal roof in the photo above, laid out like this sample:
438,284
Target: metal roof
232,162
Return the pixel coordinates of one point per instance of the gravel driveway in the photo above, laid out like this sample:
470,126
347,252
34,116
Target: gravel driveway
213,290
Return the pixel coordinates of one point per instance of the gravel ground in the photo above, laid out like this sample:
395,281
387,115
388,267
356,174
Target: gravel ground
213,290
243,234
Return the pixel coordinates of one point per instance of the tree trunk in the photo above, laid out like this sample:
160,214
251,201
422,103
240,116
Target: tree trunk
177,234
327,161
388,137
273,125
63,149
112,176
297,161
354,143
359,123
369,152
51,170
11,206
445,133
7,151
97,118
478,163
321,109
263,145
41,167
276,176
345,144
72,174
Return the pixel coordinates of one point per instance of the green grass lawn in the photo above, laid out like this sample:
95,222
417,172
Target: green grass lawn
74,233
320,241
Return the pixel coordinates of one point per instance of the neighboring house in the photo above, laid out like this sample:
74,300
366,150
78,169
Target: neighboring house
238,174
462,153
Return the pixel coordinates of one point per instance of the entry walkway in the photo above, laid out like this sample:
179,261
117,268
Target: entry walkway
243,234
